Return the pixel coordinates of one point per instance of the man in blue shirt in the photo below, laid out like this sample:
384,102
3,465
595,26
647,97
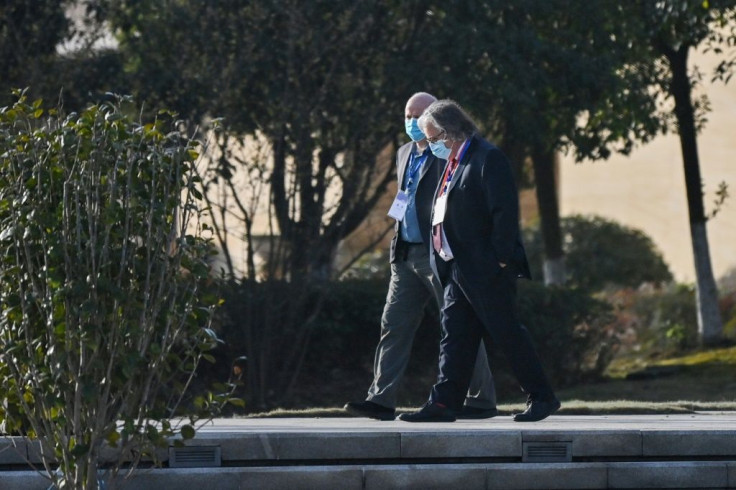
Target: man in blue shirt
413,283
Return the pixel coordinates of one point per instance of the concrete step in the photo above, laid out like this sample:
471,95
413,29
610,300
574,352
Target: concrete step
500,476
571,452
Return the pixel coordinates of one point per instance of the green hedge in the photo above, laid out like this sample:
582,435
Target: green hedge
568,327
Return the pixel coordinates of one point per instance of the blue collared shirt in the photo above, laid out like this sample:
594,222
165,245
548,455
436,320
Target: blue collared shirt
409,228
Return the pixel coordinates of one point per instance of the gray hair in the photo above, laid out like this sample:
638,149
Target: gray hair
447,115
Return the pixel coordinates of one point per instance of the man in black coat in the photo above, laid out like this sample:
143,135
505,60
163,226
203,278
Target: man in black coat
413,284
478,255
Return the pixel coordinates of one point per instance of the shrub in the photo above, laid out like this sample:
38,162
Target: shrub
601,253
727,289
568,328
104,314
656,321
294,333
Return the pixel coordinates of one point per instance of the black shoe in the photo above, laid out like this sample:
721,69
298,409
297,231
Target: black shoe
370,410
431,412
477,413
538,410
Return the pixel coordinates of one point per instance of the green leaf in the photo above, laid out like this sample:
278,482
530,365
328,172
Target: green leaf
238,402
187,432
113,438
79,450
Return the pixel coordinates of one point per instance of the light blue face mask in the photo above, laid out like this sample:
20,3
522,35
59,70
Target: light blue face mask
412,129
439,149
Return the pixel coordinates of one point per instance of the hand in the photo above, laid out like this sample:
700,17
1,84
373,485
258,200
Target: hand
502,265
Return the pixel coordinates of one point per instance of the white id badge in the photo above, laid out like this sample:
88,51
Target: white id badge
398,208
440,206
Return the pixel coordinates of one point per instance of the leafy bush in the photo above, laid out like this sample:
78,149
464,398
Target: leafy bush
601,253
655,321
291,332
728,309
569,328
727,289
104,311
669,317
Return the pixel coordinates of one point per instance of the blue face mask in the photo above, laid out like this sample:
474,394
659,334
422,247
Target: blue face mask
412,129
439,149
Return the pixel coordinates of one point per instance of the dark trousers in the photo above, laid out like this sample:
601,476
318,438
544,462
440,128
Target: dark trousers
468,317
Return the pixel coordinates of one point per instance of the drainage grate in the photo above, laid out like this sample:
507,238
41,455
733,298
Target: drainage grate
194,457
547,452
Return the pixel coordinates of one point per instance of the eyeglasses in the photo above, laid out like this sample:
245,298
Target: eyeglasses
436,138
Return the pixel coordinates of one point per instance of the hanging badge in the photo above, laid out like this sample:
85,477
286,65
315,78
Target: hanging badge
398,208
440,206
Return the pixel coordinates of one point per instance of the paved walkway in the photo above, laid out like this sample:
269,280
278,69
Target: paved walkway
701,421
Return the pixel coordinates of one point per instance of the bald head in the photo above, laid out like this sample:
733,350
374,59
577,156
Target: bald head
417,103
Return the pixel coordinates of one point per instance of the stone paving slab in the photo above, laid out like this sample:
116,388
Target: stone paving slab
678,474
547,476
689,442
13,451
460,444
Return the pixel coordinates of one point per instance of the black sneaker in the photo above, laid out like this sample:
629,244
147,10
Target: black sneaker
430,412
538,409
477,413
370,410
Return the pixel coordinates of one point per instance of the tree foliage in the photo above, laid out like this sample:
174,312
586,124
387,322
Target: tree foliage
531,71
323,82
29,34
105,308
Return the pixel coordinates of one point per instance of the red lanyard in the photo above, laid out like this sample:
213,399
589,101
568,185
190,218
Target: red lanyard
449,171
451,167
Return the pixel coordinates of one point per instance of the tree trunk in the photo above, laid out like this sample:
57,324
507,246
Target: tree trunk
710,326
545,161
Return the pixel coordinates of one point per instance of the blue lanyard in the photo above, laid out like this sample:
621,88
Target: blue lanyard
414,165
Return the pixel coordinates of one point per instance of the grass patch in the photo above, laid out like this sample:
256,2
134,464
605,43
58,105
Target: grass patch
706,376
712,357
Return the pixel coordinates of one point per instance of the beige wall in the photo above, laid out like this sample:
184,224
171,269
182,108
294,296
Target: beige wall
646,190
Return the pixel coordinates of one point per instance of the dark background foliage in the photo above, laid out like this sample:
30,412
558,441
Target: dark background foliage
568,326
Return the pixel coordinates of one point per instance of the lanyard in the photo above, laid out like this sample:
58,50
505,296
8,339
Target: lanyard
452,166
415,164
